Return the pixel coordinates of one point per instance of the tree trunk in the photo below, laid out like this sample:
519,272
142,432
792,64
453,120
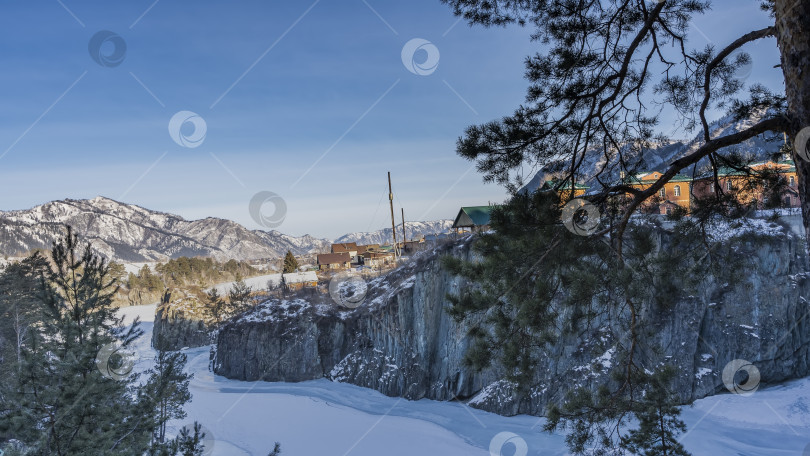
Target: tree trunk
793,39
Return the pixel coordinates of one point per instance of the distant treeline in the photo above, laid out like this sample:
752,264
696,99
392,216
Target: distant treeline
184,272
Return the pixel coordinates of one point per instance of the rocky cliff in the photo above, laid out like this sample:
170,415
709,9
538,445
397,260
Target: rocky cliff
401,341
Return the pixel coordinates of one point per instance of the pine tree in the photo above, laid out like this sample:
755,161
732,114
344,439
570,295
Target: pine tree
166,391
596,97
60,402
659,422
19,307
290,263
190,442
216,304
239,297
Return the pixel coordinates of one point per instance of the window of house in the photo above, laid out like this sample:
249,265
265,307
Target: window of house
728,185
677,190
792,181
669,210
662,193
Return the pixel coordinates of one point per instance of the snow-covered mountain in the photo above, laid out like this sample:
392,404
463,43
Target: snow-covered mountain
131,233
413,231
763,147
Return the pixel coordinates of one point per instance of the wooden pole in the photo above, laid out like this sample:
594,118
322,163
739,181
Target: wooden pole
404,236
393,223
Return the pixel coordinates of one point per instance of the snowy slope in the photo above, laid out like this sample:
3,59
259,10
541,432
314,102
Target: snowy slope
324,418
132,234
412,229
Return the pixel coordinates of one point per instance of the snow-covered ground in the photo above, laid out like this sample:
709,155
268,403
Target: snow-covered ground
319,418
255,283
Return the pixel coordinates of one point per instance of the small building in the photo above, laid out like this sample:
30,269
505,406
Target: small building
378,258
473,218
328,261
677,193
299,280
564,189
346,247
413,246
749,188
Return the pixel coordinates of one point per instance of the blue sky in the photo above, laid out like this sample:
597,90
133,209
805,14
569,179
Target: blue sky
309,100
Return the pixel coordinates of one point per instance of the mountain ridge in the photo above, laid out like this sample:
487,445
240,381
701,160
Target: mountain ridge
131,233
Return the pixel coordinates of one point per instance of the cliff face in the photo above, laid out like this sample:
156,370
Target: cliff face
401,342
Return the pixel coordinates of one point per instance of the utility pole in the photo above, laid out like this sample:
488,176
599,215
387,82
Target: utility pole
393,223
404,236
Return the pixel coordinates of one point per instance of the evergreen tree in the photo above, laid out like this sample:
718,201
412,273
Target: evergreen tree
608,72
239,297
659,422
19,307
216,304
60,403
166,391
190,442
290,263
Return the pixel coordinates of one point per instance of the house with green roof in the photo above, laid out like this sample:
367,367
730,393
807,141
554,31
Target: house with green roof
473,218
676,193
563,187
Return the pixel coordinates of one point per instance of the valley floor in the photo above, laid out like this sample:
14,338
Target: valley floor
320,418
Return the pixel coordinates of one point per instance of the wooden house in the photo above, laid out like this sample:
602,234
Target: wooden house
413,246
748,187
473,218
299,280
564,189
327,261
677,193
346,247
378,258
